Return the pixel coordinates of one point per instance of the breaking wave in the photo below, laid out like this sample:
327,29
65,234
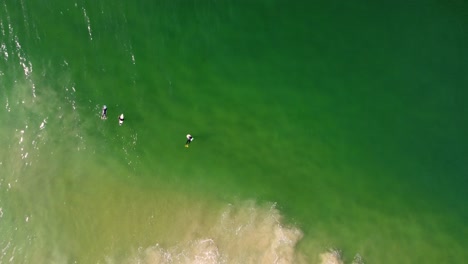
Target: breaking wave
334,256
242,234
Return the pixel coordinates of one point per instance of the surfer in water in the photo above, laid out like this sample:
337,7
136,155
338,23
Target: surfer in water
104,112
189,139
121,119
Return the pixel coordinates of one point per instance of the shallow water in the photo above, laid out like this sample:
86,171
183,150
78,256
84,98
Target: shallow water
316,126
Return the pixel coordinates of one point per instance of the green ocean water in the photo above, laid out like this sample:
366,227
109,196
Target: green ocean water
317,125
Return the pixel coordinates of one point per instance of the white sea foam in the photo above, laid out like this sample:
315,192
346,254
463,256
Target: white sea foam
88,22
242,234
4,51
7,105
331,257
334,256
42,126
2,28
25,64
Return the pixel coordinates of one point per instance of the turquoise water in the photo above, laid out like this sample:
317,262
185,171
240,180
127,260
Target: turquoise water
317,126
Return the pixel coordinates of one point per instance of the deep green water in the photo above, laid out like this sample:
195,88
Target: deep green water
317,125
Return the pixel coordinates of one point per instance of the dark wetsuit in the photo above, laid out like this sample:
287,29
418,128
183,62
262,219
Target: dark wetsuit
104,113
189,139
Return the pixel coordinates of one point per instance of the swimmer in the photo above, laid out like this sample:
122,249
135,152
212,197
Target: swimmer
121,119
189,139
104,112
